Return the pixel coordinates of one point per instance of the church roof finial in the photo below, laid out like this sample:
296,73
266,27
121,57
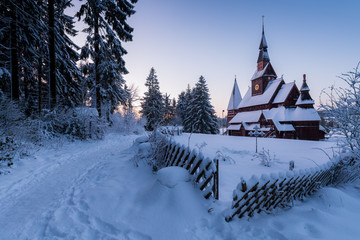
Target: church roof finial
263,24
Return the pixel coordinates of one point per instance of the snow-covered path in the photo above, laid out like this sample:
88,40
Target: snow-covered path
32,199
92,190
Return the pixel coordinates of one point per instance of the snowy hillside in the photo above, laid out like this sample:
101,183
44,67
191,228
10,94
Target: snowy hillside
93,190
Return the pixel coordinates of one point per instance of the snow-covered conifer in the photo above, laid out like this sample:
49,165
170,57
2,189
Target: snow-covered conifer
201,117
107,28
168,109
180,107
152,104
188,108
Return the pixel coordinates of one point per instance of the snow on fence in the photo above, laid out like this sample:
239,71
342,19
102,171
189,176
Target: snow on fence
280,190
204,170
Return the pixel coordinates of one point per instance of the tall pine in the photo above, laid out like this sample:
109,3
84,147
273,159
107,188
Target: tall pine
152,104
187,110
201,117
107,28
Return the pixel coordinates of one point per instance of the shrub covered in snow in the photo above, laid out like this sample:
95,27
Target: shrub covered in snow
343,107
78,123
7,151
265,158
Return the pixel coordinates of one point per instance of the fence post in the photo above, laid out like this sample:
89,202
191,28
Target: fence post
216,180
291,165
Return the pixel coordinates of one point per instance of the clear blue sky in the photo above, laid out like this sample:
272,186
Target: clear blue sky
219,39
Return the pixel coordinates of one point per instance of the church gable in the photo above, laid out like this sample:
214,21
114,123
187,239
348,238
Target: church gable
287,95
249,100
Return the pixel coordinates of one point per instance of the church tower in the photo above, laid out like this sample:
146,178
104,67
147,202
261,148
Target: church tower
264,72
235,99
305,100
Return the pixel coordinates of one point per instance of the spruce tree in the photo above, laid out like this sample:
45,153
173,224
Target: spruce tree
201,116
188,108
152,104
107,28
167,110
180,107
68,75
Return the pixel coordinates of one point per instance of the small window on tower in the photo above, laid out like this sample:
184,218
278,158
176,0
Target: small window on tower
269,78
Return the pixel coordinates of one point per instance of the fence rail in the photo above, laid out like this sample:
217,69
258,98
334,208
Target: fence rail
280,190
204,170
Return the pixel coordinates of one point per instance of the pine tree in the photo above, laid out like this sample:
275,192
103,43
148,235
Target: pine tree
201,118
167,110
152,104
180,107
107,28
29,57
188,108
67,72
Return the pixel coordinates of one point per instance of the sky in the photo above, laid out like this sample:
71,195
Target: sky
185,39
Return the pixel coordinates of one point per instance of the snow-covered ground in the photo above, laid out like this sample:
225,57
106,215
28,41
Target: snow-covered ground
239,152
93,190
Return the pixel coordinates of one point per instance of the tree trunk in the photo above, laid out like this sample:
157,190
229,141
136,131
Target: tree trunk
97,60
14,54
52,60
39,85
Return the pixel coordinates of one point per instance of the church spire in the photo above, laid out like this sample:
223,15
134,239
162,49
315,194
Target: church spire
263,58
235,97
304,99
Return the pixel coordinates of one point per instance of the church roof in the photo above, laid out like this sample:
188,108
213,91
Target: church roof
235,97
284,92
264,98
283,114
246,117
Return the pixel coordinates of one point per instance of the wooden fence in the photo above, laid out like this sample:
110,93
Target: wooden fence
280,190
204,170
264,194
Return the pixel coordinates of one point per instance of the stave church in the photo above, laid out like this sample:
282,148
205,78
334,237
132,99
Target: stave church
271,105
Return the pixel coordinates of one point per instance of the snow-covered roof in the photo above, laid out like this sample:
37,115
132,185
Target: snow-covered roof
250,127
283,114
283,127
234,127
306,101
264,98
260,73
283,92
246,117
235,97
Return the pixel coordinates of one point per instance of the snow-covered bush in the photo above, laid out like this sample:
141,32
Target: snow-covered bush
225,158
200,146
8,149
346,168
343,107
77,123
126,123
18,134
151,150
158,145
265,158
